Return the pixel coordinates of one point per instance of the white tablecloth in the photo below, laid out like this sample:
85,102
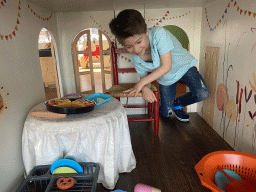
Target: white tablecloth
100,136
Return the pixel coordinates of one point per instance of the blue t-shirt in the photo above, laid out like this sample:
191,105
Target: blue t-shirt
162,41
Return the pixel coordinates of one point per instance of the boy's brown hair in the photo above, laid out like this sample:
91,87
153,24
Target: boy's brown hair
128,22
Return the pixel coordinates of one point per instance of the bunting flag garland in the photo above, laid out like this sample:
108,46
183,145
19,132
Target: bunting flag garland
97,23
38,16
123,57
13,33
165,17
2,3
226,11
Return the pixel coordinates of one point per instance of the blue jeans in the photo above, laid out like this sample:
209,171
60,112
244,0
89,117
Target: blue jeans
198,91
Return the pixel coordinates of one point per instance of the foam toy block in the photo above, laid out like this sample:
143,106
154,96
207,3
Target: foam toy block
145,188
64,170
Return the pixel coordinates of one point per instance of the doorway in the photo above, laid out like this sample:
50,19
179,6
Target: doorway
48,65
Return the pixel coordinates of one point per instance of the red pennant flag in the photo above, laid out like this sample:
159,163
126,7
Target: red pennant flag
125,58
2,3
19,8
217,24
157,24
18,22
220,20
14,33
249,13
229,5
28,6
165,15
6,37
235,3
34,13
241,11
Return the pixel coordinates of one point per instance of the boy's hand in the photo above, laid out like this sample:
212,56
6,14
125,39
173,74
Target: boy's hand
148,94
135,90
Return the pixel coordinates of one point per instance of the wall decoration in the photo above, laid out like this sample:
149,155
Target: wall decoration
225,12
13,33
97,23
122,57
253,86
166,17
38,16
2,3
234,111
4,100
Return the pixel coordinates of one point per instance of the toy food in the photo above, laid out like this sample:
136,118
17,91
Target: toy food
65,182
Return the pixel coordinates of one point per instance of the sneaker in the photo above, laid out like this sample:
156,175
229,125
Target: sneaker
181,115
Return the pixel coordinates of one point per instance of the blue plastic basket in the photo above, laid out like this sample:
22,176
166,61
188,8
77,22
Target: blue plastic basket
97,96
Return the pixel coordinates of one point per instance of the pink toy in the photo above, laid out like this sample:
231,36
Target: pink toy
145,188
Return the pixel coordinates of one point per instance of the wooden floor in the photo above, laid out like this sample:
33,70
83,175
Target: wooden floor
167,162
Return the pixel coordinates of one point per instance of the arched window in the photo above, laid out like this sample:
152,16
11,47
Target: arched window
92,61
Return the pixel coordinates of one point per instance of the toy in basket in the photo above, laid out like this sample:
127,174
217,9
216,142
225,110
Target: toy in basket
237,185
241,163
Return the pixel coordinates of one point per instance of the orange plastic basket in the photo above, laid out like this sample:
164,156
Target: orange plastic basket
241,163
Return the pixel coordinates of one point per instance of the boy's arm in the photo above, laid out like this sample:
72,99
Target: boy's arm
166,65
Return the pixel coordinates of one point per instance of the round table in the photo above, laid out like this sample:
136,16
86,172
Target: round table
101,135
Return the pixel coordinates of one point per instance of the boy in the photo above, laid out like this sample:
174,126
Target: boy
157,51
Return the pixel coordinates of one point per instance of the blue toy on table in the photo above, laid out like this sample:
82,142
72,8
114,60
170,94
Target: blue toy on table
99,96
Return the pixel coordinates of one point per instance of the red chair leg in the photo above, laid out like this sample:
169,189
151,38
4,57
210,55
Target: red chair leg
156,114
150,110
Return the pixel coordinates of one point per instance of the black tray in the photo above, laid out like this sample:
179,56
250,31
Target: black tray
69,110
